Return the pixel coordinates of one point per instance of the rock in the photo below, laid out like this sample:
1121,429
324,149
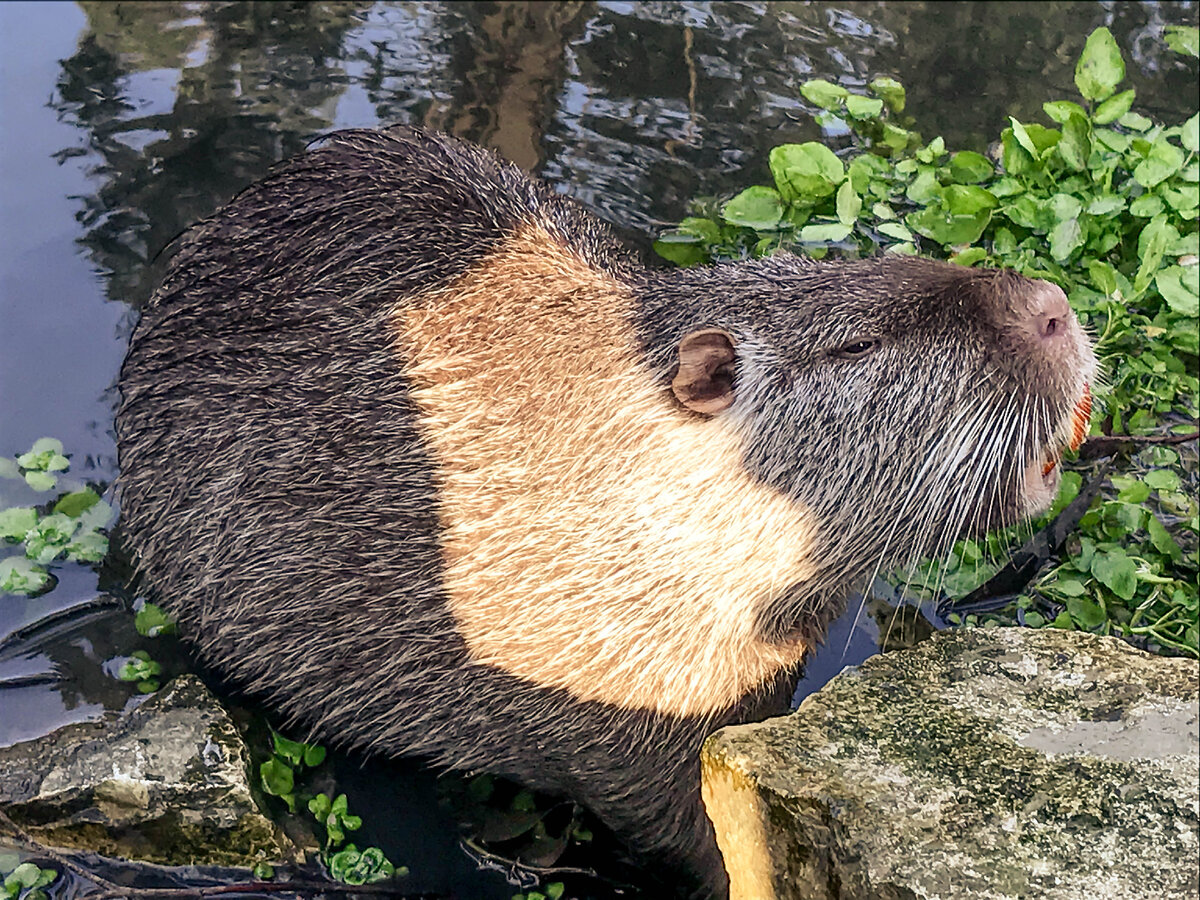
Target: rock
985,763
165,782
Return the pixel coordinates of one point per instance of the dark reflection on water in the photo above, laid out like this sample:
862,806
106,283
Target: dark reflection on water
125,122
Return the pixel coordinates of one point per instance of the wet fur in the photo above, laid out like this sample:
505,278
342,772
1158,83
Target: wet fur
337,491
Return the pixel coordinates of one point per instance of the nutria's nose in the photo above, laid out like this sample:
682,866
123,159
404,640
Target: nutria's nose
1050,315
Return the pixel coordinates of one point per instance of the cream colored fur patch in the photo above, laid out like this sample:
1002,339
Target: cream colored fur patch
597,538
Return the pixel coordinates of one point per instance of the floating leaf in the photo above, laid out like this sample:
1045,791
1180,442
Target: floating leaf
20,575
76,502
40,481
16,522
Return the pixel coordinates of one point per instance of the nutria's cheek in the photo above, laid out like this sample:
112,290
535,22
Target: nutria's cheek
595,538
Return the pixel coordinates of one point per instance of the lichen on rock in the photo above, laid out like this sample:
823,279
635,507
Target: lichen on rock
986,763
165,782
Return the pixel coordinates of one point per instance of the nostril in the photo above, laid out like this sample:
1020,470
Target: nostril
1048,312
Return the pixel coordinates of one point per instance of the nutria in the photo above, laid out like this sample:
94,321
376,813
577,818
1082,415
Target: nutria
418,454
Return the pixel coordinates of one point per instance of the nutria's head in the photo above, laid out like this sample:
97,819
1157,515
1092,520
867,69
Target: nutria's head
905,401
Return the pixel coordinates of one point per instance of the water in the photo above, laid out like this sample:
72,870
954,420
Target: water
120,124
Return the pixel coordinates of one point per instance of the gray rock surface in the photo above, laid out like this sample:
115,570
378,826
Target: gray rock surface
165,783
985,763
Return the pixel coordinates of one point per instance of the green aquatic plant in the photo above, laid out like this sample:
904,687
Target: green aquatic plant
141,668
279,776
1100,200
71,527
25,881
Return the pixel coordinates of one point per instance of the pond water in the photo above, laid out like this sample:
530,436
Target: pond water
123,123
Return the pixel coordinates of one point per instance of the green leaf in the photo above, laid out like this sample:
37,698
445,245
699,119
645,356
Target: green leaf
1065,238
957,216
320,806
969,167
314,755
1183,39
98,515
1062,110
152,621
40,481
807,172
353,867
91,546
1136,122
969,257
1162,540
1086,612
9,468
1100,68
705,229
895,230
824,94
925,187
46,455
1146,206
895,137
277,777
756,207
1076,144
849,204
49,538
863,107
16,521
1113,108
1116,571
683,250
1189,133
1163,161
1178,286
1162,480
890,91
1153,241
1130,489
821,234
1069,587
19,575
1023,138
289,751
76,502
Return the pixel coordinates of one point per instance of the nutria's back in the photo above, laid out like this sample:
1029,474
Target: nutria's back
418,455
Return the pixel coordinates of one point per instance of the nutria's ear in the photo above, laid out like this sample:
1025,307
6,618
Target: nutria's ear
704,381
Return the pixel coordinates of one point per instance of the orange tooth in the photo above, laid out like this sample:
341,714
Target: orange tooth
1081,418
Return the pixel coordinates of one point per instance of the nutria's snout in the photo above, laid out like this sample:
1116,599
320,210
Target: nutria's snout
1045,331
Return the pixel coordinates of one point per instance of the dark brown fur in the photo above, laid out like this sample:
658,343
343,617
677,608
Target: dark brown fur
416,454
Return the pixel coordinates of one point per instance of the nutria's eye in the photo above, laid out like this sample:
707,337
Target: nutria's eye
856,349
